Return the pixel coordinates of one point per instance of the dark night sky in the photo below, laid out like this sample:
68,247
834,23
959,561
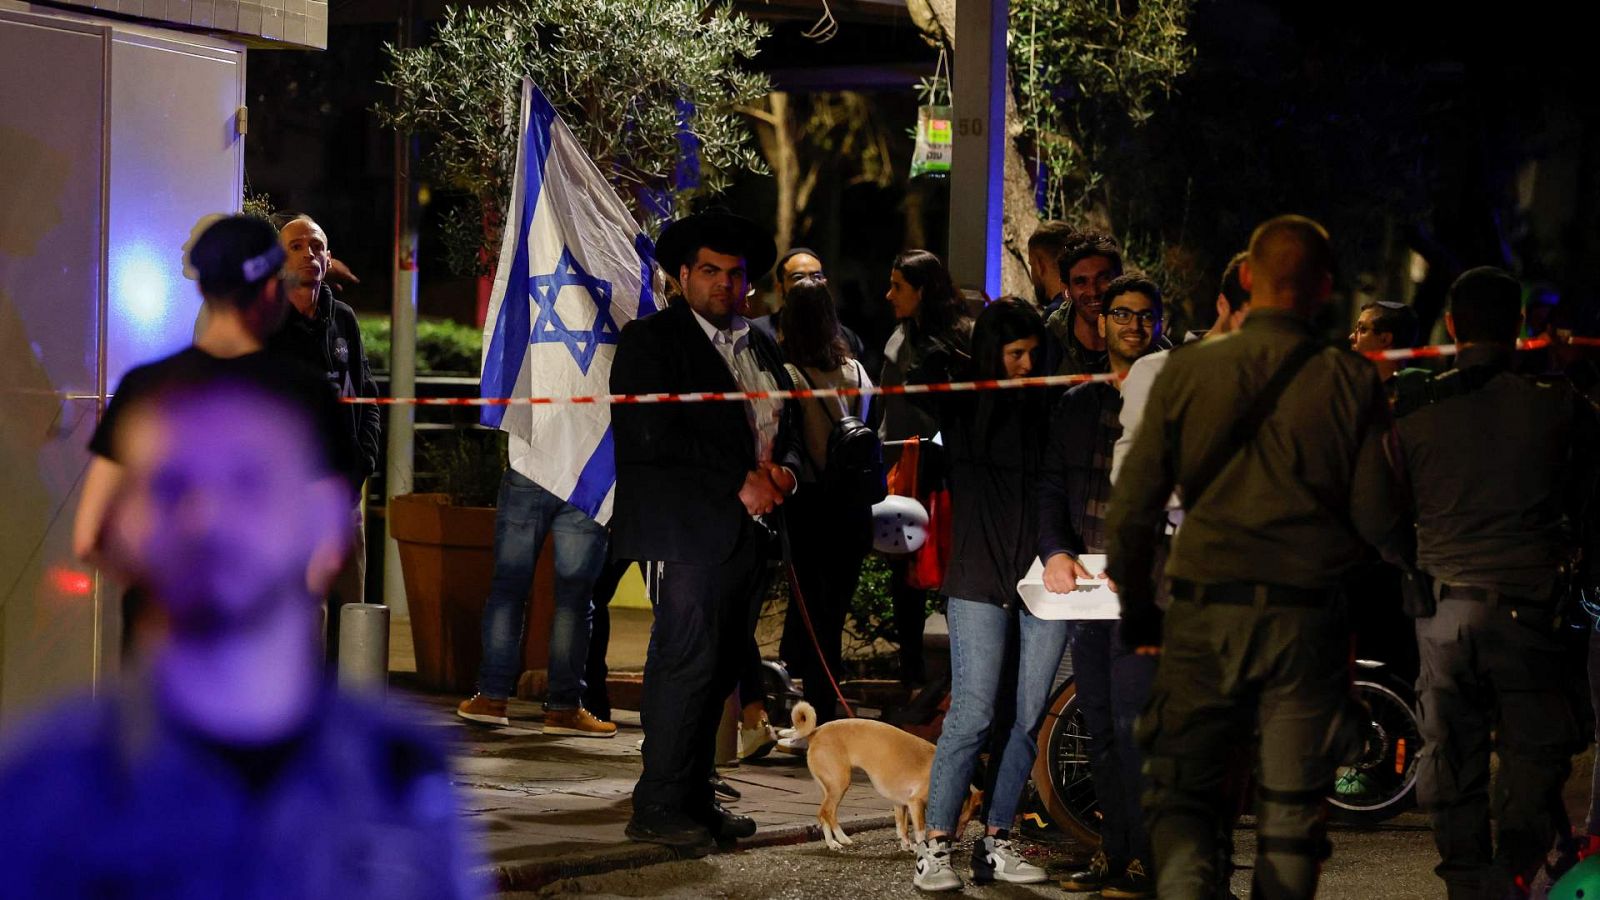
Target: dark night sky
1386,119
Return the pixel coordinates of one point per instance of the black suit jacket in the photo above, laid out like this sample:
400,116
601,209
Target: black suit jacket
680,466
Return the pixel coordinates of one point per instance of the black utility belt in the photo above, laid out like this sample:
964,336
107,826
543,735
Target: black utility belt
1484,595
1244,593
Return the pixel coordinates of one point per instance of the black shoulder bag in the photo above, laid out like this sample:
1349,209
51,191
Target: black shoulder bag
853,469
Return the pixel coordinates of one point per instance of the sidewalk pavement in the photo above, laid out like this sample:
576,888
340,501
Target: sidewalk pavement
550,808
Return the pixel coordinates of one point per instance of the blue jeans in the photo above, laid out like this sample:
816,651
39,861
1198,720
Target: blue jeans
1113,688
526,514
977,656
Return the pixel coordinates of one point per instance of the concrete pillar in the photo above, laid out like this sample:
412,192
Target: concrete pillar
977,169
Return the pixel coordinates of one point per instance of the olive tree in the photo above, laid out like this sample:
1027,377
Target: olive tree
1077,69
650,89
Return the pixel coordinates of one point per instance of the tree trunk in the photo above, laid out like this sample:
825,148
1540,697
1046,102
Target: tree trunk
775,133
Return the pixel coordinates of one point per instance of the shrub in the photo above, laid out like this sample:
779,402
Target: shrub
444,347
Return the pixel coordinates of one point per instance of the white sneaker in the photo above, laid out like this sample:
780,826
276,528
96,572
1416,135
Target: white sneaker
934,872
756,742
795,745
995,859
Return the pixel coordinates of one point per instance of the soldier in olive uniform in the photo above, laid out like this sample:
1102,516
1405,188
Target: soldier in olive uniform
1279,501
1499,465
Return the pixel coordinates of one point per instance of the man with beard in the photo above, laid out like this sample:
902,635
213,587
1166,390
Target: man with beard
1232,304
1088,265
1113,683
1044,252
694,483
226,765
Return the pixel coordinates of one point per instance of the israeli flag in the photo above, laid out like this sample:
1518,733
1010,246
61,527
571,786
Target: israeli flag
574,268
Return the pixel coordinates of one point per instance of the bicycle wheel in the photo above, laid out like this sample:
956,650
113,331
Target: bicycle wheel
1061,769
1382,783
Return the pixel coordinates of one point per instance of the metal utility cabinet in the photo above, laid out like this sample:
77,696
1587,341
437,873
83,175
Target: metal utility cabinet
116,138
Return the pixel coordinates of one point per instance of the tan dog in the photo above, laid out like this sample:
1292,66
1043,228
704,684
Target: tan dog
898,764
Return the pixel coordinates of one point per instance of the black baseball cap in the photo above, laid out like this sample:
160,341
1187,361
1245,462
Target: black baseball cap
234,252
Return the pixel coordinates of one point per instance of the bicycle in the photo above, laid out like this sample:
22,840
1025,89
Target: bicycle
1377,786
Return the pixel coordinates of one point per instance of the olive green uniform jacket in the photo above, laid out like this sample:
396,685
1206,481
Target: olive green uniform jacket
1296,505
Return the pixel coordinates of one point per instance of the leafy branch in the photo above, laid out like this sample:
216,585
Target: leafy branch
649,88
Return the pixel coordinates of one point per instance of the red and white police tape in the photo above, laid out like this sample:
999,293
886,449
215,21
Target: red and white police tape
989,384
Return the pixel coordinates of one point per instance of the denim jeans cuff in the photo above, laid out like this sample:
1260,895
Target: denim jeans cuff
557,706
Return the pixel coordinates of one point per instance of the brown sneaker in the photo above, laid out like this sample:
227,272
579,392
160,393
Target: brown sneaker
483,709
577,722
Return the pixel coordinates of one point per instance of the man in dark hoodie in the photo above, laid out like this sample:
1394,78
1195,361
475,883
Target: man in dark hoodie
321,332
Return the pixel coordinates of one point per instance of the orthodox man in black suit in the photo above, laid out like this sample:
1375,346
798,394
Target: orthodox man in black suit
696,483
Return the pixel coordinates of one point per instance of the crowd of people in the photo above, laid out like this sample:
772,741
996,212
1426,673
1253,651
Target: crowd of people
1243,484
1235,482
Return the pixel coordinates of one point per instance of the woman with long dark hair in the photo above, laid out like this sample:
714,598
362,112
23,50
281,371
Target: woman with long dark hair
933,324
995,441
829,533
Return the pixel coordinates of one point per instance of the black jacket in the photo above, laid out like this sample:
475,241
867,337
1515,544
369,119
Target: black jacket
1069,469
994,443
331,345
680,466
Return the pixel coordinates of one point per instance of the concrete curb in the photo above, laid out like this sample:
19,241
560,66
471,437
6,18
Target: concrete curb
528,876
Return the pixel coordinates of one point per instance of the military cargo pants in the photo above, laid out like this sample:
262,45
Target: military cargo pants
1486,671
1230,673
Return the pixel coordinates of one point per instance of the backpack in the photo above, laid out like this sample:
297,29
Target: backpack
854,470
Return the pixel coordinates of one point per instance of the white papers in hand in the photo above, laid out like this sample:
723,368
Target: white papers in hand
1093,599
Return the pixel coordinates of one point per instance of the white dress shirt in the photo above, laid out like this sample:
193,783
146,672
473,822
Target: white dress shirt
733,345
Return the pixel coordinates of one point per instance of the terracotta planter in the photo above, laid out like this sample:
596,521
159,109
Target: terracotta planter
447,558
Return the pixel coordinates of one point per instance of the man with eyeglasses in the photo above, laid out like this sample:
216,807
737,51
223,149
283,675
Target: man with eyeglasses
1232,305
1389,325
1381,628
800,265
1384,325
1113,683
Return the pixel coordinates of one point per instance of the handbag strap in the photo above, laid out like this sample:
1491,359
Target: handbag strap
800,370
1245,427
816,468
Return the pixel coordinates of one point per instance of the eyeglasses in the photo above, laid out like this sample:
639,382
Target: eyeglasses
1390,304
1123,315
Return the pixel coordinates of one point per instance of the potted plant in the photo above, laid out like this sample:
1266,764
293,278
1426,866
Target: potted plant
446,541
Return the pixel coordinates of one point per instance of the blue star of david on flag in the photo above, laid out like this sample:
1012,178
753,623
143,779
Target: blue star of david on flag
574,269
545,290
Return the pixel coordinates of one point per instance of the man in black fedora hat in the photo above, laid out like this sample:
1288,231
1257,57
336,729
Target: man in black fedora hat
694,481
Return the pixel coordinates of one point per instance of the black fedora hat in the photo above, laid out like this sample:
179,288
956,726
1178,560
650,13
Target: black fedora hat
723,232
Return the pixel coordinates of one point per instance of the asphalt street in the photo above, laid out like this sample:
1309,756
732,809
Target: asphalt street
1393,861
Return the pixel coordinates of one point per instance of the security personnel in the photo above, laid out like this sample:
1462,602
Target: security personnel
1498,463
1279,499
